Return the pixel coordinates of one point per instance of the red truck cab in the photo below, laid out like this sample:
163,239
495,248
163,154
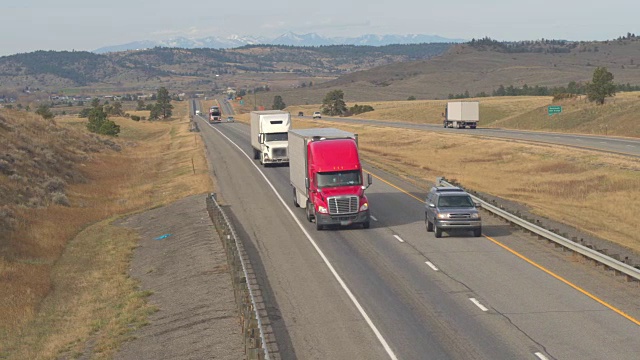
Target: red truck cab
326,177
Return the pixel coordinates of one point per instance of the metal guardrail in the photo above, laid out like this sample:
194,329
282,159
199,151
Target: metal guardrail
594,255
245,287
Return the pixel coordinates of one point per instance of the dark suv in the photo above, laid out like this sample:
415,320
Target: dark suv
451,208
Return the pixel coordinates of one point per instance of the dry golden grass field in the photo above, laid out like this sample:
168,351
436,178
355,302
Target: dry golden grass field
63,270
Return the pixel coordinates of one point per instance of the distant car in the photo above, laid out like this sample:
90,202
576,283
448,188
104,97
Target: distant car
451,208
300,113
317,115
230,119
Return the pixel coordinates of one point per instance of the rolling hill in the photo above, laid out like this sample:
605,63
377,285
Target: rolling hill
483,67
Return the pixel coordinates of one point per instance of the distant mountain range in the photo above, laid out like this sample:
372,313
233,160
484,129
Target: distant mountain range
288,38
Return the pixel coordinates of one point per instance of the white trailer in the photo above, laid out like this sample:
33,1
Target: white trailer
461,114
269,136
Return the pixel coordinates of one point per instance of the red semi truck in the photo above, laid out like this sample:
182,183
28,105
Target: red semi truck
326,176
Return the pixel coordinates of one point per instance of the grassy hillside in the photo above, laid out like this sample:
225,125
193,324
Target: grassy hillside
63,266
479,69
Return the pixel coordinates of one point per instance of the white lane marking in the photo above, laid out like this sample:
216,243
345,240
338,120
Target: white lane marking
398,237
431,265
473,300
373,218
366,317
541,356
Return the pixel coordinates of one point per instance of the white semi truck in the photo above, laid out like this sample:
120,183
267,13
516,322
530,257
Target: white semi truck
461,114
269,136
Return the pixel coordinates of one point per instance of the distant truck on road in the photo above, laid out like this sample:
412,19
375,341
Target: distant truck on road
326,177
461,114
214,115
269,136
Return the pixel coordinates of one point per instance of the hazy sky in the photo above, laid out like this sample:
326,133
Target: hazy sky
30,25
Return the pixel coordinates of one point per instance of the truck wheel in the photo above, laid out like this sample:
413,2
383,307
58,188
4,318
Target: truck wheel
309,212
295,198
318,226
445,124
477,232
437,231
366,225
256,154
473,126
429,226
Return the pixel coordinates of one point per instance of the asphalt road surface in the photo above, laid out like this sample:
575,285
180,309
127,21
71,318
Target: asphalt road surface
395,291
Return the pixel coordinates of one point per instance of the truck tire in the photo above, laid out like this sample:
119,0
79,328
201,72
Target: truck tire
318,226
295,198
256,154
309,211
366,225
445,124
477,232
472,126
437,231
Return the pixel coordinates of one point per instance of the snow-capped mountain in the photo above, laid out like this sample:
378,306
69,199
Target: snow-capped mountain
288,38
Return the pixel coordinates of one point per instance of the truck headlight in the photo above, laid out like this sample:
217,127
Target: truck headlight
443,216
475,216
322,210
364,207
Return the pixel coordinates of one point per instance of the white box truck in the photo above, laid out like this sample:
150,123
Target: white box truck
269,136
462,114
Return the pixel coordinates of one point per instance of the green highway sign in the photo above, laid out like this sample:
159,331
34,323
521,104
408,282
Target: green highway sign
554,110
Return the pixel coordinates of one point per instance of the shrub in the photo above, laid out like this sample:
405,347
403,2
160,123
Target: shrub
59,198
359,109
135,117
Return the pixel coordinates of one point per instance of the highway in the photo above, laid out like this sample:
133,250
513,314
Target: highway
396,292
625,146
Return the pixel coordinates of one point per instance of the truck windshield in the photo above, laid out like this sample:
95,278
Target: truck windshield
456,201
276,136
339,178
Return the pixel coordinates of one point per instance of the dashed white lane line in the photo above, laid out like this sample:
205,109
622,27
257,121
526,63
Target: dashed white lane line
431,265
373,218
398,237
473,300
541,356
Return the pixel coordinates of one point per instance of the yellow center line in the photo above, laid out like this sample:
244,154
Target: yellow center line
558,277
395,187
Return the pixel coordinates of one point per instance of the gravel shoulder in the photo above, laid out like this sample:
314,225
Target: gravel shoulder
181,260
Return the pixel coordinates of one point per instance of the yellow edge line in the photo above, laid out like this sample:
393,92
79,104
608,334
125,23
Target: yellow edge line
558,277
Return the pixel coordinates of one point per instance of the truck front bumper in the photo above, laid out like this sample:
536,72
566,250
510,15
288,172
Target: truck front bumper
343,220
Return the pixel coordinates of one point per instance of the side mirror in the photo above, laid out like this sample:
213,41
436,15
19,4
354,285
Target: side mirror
260,139
369,179
478,205
433,206
306,183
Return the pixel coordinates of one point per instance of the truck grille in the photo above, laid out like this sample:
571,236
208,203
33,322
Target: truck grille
279,152
459,216
343,205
